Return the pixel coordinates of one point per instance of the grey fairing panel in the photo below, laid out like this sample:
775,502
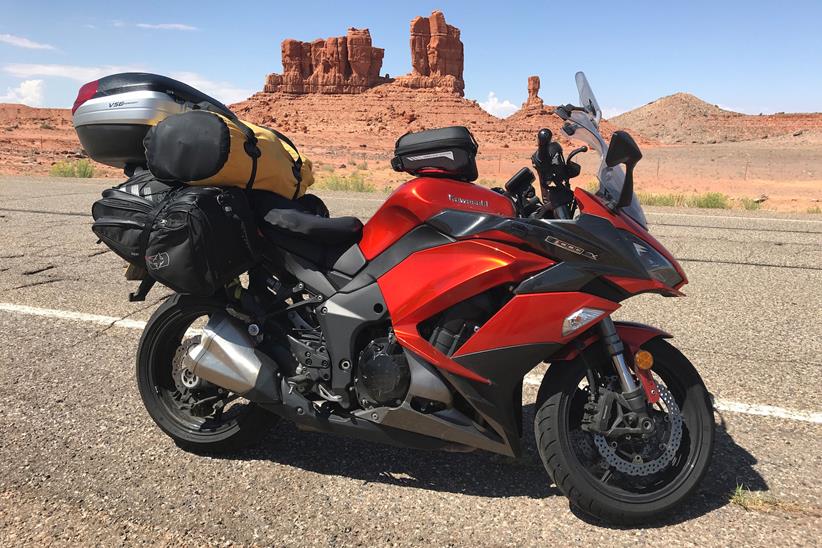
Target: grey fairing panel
350,262
422,237
342,317
602,248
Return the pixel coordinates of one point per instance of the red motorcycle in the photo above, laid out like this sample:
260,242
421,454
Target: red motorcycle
418,328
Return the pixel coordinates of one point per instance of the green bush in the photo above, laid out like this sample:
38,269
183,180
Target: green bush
352,183
670,200
709,200
815,209
82,169
750,204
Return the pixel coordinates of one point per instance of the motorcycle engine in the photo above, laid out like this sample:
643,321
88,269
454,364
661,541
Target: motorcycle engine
383,375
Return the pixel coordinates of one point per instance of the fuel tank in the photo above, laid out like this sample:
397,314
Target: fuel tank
412,203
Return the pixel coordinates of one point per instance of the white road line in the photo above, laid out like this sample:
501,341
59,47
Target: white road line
731,217
531,379
71,315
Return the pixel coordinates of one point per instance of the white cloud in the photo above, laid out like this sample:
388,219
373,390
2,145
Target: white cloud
610,112
20,42
500,109
223,91
29,92
72,72
166,26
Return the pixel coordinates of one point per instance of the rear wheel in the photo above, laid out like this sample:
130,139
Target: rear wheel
197,415
627,479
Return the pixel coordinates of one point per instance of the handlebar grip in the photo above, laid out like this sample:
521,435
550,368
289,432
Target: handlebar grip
543,140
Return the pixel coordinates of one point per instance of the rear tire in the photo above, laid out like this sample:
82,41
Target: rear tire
161,338
612,503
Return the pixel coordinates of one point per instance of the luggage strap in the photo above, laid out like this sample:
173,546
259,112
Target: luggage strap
145,286
253,151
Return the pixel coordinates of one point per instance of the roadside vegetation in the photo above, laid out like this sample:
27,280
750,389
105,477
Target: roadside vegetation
750,204
707,200
758,502
355,182
815,209
82,169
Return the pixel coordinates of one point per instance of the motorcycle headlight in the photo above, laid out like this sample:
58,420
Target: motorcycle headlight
658,266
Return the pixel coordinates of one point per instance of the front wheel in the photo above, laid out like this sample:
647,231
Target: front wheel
629,478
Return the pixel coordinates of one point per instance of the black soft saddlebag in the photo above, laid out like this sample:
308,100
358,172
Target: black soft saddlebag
445,152
123,213
201,238
195,240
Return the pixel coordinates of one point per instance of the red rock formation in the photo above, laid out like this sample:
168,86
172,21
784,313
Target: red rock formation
436,55
343,64
533,105
533,92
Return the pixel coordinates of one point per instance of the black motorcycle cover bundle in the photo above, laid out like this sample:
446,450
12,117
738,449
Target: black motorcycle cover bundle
195,240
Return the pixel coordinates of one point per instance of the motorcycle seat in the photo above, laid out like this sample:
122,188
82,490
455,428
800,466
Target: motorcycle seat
336,231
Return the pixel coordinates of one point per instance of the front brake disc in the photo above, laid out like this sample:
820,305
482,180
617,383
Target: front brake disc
645,468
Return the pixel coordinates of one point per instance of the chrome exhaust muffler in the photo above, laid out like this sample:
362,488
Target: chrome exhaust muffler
226,356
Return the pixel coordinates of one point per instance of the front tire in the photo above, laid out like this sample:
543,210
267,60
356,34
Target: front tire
167,329
622,499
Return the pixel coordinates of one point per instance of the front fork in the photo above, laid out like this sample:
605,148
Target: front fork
636,395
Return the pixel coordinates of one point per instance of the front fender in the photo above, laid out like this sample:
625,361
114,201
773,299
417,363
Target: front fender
633,336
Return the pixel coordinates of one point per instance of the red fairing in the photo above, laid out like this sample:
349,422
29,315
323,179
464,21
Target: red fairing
635,286
633,336
432,280
414,202
532,319
591,205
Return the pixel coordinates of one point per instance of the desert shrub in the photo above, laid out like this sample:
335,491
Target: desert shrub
815,209
362,166
351,183
82,169
709,200
750,204
670,200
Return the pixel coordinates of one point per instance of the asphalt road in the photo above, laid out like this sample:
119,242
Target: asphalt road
81,462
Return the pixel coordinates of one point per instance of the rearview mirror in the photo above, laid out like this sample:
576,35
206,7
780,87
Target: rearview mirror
624,150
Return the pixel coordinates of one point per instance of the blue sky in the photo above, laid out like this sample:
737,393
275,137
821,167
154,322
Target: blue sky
751,56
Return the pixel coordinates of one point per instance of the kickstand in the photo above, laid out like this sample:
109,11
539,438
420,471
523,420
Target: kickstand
140,295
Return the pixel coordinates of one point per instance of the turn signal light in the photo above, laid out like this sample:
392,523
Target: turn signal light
644,360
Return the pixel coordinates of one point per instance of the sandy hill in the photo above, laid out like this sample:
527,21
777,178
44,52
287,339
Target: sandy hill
374,118
685,118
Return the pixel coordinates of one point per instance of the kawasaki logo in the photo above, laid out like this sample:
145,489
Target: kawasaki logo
467,201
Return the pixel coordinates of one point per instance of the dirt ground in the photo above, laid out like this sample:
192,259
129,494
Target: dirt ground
788,171
785,169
